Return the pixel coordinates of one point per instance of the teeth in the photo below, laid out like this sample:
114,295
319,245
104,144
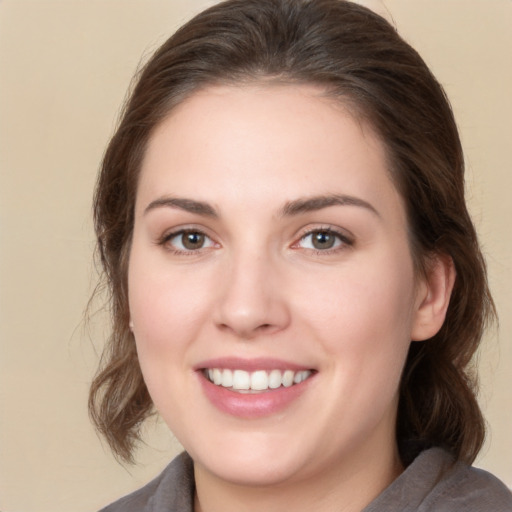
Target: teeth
275,379
217,376
260,380
241,380
297,378
227,378
288,378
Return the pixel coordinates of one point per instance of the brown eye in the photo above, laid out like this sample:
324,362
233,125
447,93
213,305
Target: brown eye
192,240
188,241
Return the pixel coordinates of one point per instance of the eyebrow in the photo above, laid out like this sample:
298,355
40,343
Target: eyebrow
188,205
309,204
291,208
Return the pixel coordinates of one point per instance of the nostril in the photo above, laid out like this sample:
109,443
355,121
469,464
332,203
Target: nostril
264,327
249,333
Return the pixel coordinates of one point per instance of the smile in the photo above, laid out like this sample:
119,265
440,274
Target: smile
261,380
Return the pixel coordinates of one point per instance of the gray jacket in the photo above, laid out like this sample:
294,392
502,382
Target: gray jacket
431,483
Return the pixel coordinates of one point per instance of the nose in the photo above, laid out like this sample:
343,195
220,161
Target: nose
252,298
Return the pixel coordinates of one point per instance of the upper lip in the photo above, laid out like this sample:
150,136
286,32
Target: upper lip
250,365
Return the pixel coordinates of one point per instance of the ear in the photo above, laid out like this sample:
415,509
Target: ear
433,297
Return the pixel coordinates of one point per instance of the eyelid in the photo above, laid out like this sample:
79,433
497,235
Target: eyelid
346,238
179,230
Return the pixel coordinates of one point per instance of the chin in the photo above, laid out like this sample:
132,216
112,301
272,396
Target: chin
252,462
255,473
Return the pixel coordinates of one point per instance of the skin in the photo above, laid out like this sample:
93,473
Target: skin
257,287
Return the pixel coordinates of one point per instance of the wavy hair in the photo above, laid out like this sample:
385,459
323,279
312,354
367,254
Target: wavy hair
358,58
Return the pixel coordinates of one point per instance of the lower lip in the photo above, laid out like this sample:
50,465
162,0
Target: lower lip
252,405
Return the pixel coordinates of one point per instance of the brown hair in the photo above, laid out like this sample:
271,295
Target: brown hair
359,58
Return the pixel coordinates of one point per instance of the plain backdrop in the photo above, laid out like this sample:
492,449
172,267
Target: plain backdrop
64,69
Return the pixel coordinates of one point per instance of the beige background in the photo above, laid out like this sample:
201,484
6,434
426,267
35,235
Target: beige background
64,68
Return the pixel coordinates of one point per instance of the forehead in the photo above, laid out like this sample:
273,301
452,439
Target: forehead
277,140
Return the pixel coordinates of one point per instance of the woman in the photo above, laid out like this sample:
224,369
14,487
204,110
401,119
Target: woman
296,284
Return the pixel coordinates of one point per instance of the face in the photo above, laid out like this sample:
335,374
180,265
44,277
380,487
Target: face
271,286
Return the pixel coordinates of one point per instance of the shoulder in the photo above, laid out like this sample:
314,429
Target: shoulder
433,482
172,490
470,489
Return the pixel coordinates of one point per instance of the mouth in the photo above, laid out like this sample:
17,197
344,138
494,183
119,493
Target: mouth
254,388
242,381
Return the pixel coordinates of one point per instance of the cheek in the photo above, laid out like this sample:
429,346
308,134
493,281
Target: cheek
166,308
363,328
166,305
363,318
364,298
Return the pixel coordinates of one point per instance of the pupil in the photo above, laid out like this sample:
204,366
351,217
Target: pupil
323,240
193,240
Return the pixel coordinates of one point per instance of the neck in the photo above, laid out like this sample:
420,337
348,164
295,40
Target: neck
347,486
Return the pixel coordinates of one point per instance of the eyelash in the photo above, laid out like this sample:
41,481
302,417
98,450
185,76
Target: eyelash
342,240
166,239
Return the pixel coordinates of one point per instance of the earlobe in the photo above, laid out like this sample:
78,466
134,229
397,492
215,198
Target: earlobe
433,298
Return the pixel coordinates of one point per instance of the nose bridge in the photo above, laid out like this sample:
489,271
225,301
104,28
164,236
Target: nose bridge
251,301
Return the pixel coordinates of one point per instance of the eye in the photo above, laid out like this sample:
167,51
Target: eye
188,240
323,240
